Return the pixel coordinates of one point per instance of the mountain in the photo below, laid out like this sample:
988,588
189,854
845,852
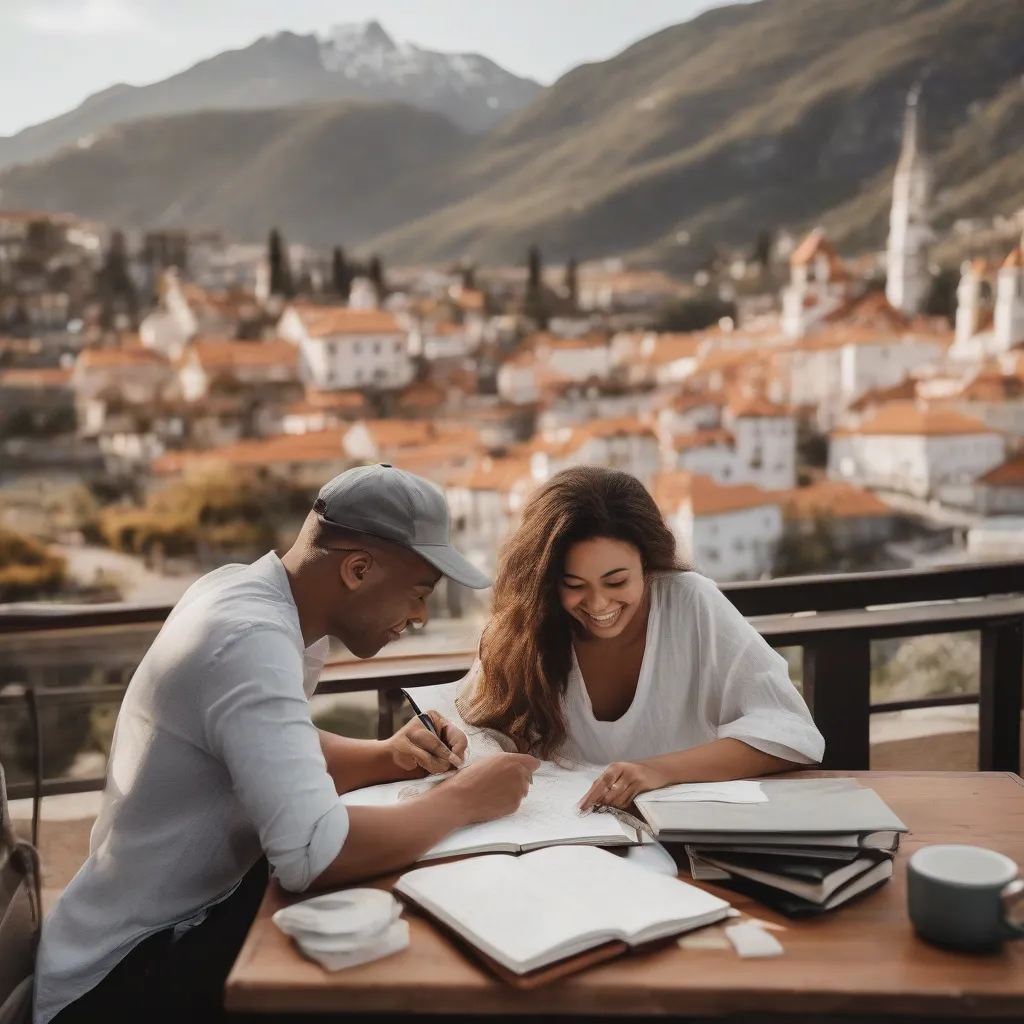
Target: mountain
326,174
353,62
781,112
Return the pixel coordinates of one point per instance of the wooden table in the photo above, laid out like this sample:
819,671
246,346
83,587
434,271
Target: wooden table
862,960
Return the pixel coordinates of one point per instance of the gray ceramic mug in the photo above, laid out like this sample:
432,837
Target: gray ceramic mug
960,897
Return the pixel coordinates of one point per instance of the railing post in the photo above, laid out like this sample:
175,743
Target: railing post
837,687
388,703
999,697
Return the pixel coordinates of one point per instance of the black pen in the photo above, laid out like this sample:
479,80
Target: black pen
426,720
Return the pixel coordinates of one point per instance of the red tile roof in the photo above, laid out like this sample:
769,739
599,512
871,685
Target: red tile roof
910,418
1008,474
706,497
833,498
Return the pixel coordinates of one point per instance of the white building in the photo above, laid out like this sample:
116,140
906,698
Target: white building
726,532
545,362
1001,490
990,309
926,451
870,347
765,443
343,348
908,280
236,364
655,358
819,285
628,444
1008,318
485,501
172,325
704,452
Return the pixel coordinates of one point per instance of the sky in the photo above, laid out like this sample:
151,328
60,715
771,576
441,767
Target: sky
55,53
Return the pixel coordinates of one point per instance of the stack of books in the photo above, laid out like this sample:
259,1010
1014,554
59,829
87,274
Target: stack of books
799,846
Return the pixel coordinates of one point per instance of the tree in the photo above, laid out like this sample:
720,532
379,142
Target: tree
695,314
571,281
941,299
375,273
341,274
534,305
27,569
280,269
117,290
763,249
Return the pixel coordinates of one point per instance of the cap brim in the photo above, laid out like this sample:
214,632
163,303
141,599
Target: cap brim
453,565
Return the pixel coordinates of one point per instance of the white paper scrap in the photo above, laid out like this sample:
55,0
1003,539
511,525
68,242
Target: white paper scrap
750,940
742,792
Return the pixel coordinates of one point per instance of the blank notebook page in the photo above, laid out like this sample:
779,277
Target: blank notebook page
528,911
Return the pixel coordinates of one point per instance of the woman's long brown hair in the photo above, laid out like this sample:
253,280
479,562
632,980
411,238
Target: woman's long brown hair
526,649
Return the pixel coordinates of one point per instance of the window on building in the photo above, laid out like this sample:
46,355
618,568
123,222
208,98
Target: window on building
738,544
332,349
376,348
710,555
357,347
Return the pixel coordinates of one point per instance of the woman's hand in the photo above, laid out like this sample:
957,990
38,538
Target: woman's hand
620,783
414,746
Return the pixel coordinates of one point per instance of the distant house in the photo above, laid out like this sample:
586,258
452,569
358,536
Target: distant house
485,500
343,348
39,399
710,452
172,325
304,461
923,450
728,532
990,308
1000,491
854,516
652,358
320,410
629,444
231,365
765,442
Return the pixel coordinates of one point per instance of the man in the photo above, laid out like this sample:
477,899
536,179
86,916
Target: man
216,768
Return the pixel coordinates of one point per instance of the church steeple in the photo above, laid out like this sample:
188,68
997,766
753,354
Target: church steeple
909,232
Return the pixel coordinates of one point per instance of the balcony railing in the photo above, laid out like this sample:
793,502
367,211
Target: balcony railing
833,619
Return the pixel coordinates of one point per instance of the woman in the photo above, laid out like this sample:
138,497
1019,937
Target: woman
603,649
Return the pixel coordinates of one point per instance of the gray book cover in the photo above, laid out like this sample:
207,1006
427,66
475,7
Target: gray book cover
794,806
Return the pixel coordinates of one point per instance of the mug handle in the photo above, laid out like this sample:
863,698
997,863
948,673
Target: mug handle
1011,895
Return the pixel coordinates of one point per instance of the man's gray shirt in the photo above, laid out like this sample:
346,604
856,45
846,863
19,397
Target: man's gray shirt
215,760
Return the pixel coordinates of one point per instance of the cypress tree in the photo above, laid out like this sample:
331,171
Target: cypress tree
534,306
280,271
375,272
571,281
341,274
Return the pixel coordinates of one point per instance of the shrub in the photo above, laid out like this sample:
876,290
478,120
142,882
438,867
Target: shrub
27,569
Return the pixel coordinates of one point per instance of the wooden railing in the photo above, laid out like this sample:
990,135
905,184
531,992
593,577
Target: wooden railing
833,619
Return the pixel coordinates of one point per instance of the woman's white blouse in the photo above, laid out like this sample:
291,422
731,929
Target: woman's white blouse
707,674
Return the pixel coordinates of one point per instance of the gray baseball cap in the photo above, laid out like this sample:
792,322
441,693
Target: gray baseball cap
400,507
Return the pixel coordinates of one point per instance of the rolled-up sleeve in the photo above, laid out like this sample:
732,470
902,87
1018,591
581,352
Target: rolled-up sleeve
257,722
746,692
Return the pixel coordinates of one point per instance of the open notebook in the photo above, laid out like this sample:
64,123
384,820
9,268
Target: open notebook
526,913
547,817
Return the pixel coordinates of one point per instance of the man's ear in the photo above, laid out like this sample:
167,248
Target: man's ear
354,567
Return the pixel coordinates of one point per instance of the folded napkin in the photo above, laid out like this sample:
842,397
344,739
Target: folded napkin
344,929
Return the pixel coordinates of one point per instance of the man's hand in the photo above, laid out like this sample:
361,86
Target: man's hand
620,783
413,746
491,788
